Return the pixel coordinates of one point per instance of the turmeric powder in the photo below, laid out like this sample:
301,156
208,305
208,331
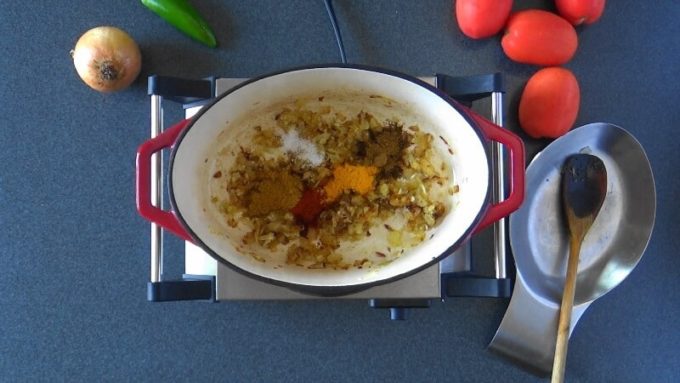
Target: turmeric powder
355,177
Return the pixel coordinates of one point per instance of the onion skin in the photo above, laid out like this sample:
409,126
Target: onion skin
107,59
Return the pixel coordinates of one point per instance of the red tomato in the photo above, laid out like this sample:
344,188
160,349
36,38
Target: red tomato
578,12
482,18
549,103
540,38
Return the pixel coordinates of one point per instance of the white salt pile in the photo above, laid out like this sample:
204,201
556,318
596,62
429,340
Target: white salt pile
302,148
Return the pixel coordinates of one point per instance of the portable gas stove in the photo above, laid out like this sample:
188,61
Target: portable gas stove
207,279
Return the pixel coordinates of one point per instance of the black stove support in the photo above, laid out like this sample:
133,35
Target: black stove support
189,287
468,284
398,307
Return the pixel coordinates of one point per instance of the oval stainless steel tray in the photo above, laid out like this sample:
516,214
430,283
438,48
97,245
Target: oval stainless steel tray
539,240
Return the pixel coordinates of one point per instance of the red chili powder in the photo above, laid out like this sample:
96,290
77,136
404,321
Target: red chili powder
309,206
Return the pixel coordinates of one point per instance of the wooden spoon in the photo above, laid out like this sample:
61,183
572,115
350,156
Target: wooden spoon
584,187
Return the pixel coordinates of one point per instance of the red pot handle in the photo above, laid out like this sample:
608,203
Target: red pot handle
516,196
165,219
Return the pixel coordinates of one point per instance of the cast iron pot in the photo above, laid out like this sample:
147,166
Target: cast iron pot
461,130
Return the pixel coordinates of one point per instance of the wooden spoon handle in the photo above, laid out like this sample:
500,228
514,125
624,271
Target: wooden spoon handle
560,360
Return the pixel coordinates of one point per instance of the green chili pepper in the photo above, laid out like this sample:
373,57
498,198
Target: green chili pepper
181,15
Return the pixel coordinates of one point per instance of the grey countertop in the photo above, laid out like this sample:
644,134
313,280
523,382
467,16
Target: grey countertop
74,252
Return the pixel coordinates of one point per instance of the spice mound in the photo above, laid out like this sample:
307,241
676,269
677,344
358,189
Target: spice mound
316,185
350,177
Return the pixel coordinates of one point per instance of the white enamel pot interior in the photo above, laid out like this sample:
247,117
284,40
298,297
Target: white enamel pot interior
431,109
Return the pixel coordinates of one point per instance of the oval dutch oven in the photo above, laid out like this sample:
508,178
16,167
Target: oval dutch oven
466,132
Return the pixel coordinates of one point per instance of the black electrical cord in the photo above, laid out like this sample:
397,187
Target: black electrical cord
334,23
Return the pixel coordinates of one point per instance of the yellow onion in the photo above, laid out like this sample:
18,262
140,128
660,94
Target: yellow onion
107,59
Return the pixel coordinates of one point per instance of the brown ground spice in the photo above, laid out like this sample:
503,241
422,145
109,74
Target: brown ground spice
384,150
278,191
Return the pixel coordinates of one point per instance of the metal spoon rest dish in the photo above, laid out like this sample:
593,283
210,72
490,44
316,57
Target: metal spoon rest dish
540,240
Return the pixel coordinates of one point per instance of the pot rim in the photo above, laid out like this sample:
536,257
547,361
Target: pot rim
339,289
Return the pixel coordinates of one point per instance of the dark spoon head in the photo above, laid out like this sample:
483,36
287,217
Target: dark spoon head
584,185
